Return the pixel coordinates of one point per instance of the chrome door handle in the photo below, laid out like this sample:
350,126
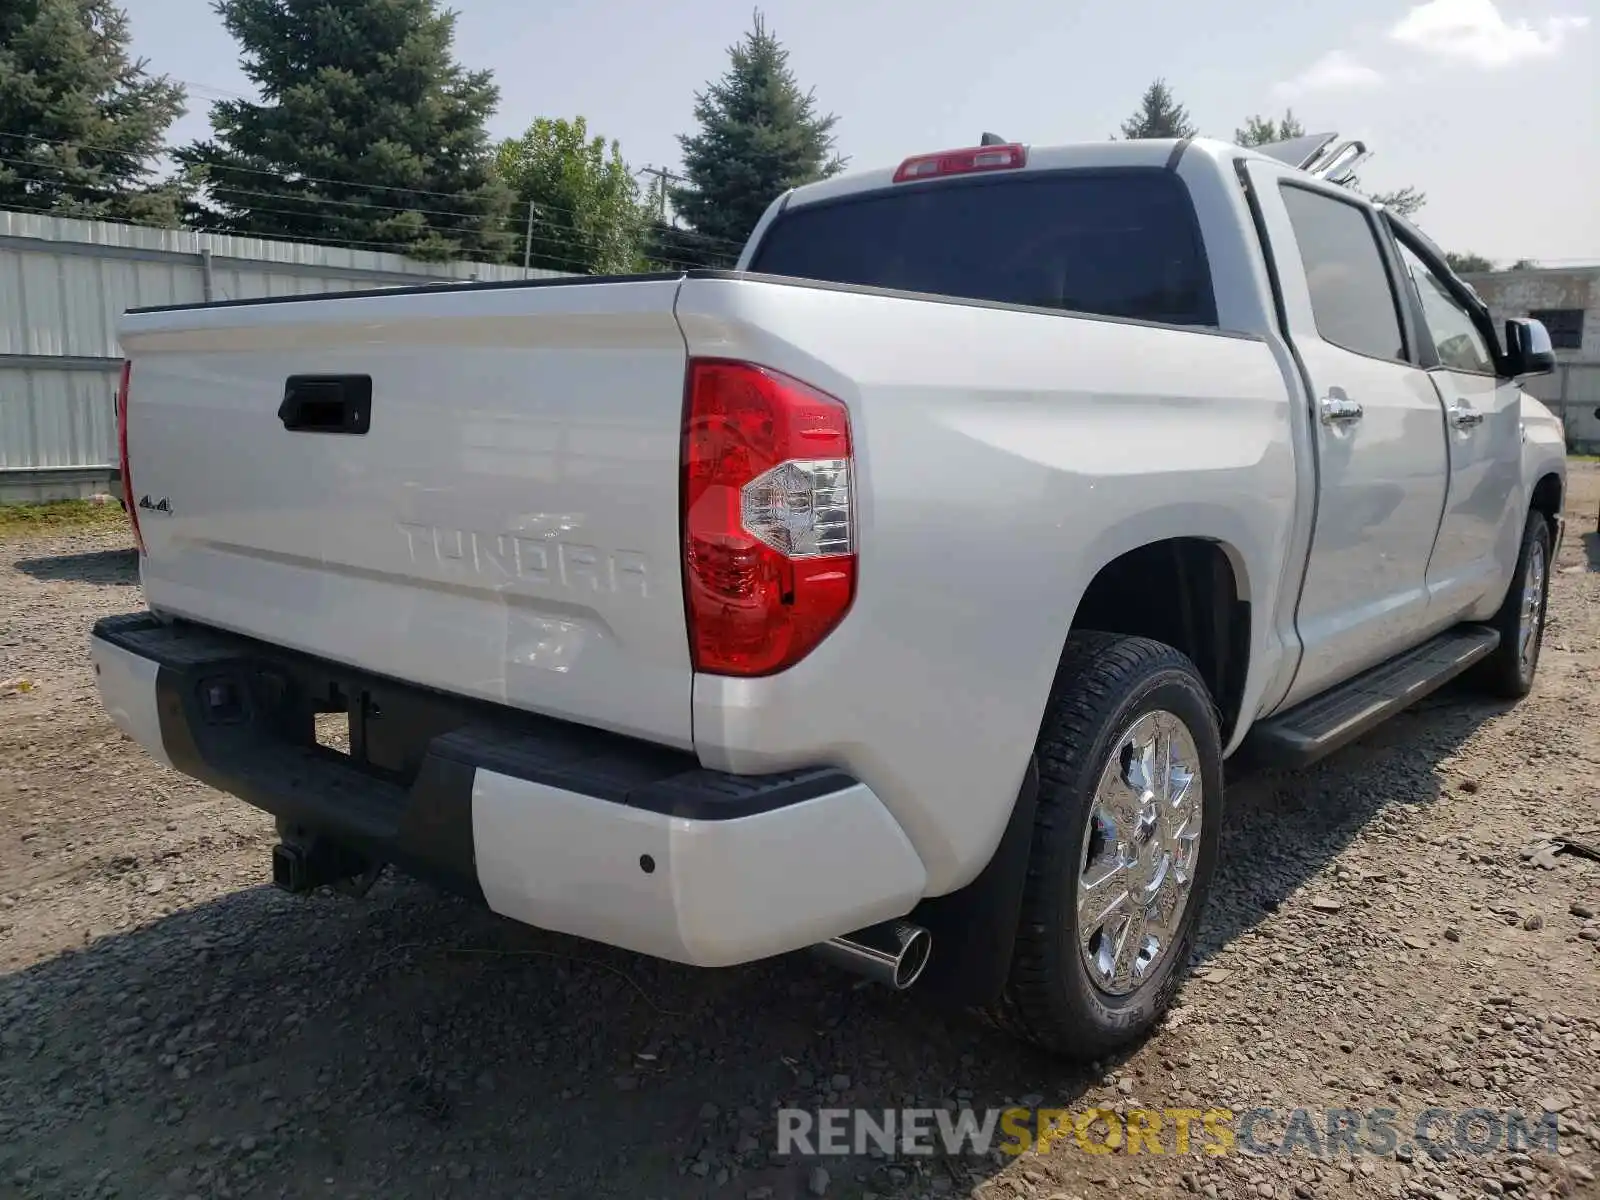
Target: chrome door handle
1464,418
1340,410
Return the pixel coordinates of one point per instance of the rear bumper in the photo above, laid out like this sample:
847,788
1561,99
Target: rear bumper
556,825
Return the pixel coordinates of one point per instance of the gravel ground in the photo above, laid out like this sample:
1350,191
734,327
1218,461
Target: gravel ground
1385,933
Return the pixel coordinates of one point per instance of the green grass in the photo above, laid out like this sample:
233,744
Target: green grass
59,516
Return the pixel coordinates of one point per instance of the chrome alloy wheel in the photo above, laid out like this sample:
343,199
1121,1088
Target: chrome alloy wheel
1140,848
1528,624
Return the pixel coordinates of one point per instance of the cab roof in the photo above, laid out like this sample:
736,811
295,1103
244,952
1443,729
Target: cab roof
1139,152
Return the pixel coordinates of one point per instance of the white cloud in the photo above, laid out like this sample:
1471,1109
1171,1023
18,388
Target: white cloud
1335,71
1475,32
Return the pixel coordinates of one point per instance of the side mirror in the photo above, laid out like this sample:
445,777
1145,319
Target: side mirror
1528,348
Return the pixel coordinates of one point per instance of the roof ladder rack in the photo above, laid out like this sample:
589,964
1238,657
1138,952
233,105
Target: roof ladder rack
1322,155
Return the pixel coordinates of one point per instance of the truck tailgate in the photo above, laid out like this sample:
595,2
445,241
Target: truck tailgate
502,524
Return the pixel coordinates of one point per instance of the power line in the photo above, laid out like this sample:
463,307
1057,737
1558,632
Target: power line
206,87
538,215
299,178
661,176
574,265
397,248
551,239
346,244
213,184
210,183
234,167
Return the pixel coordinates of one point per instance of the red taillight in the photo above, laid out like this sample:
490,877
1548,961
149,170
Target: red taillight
962,162
768,521
122,454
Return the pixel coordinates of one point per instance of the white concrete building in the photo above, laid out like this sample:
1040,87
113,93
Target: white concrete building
1567,300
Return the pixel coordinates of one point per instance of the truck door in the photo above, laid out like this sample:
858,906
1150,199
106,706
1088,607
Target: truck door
1476,552
1378,429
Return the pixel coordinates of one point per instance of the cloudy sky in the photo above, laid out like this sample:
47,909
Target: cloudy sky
1492,109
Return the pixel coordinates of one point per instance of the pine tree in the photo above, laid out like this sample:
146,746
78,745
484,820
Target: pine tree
1159,116
369,133
1259,131
759,136
81,120
587,214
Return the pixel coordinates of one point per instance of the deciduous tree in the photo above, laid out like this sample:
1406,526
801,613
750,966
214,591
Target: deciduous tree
1406,201
579,201
1258,131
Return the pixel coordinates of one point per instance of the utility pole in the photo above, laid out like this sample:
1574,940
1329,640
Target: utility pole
527,245
661,175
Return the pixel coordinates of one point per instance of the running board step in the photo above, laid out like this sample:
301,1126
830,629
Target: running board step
1324,723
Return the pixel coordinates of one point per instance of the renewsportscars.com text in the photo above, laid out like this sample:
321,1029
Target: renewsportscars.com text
1320,1133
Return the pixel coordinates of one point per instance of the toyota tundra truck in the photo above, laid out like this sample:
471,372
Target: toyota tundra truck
898,594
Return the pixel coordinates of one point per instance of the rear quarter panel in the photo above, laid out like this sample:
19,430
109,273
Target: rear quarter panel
1003,457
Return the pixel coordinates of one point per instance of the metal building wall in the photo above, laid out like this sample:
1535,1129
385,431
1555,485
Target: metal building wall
63,285
1573,390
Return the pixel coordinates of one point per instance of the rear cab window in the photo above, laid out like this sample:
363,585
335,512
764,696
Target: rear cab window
1122,243
1352,298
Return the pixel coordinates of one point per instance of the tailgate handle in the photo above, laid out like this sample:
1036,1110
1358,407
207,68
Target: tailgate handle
327,404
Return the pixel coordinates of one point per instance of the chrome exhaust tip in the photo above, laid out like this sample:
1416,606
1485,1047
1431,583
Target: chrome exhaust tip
893,953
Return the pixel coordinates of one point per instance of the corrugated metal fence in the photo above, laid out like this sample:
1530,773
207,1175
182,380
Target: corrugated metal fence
63,285
1572,391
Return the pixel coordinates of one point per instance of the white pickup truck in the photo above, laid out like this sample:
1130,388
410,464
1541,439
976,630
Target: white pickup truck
897,594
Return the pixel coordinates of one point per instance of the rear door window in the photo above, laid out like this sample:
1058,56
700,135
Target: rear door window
1351,296
1116,244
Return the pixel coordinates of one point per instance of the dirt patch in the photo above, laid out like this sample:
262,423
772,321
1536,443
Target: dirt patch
1390,930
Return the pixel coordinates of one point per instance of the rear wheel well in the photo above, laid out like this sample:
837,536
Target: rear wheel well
1547,500
1183,592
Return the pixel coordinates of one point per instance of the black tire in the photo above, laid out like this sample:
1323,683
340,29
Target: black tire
1506,673
1105,683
